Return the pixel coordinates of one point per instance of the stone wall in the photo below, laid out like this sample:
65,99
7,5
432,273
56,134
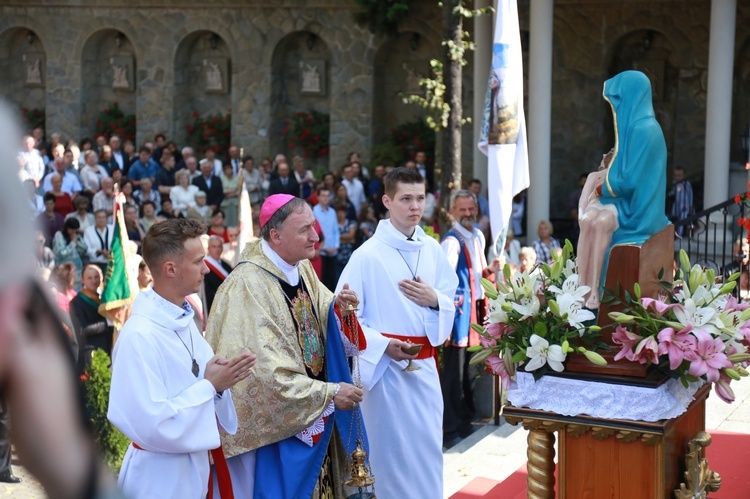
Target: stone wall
259,44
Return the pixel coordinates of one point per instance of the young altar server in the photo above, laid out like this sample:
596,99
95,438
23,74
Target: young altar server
169,391
406,288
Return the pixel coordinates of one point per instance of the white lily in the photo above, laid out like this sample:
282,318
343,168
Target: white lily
528,306
699,317
571,305
524,284
540,352
571,287
496,314
570,268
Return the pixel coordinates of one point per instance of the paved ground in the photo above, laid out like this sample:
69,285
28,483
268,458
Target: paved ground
493,452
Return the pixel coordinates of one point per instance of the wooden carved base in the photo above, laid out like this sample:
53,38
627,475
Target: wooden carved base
541,465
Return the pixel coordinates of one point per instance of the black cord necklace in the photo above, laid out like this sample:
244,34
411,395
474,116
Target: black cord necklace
195,369
416,269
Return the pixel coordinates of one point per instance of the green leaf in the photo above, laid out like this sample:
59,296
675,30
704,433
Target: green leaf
475,348
518,356
660,276
540,329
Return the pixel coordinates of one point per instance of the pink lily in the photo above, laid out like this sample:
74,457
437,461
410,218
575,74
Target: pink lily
658,306
647,350
723,390
733,304
496,365
710,357
678,346
627,340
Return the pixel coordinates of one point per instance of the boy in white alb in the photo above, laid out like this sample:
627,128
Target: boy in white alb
406,288
168,389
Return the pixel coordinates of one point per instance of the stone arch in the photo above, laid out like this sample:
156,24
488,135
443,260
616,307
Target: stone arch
741,103
108,75
400,62
202,79
23,68
652,53
300,82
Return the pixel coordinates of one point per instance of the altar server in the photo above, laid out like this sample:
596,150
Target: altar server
169,391
406,287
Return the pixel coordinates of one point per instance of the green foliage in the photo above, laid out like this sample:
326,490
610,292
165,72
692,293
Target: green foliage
309,132
381,17
412,137
33,118
96,382
112,121
214,131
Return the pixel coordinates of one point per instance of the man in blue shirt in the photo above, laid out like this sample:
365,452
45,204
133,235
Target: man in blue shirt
144,166
326,217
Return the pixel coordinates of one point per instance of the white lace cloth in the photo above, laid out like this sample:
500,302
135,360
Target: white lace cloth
572,397
319,425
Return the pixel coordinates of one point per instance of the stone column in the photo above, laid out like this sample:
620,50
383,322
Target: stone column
483,37
719,101
540,105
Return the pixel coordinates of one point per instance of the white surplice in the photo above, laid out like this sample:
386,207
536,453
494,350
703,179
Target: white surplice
157,402
403,411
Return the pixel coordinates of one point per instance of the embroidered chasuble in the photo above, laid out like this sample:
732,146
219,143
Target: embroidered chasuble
285,408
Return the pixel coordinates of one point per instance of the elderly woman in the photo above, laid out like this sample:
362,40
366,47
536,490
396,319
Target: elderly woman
92,329
69,246
231,202
546,243
92,174
63,201
183,193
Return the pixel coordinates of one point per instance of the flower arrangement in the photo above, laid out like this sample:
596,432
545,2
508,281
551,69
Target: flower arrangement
33,118
112,121
213,130
534,319
695,330
308,131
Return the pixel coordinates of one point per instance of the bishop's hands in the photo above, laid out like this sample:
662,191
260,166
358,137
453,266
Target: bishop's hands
348,397
419,292
347,301
223,373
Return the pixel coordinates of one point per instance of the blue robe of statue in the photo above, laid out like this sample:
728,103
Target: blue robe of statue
636,179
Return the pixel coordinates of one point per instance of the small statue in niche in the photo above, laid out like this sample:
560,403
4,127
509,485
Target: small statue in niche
310,78
213,76
34,72
120,76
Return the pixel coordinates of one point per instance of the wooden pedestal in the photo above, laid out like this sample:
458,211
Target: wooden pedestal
630,264
607,458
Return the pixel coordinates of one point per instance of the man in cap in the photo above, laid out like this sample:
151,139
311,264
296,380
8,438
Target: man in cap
301,394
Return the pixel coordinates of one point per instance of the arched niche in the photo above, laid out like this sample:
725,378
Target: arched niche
653,54
202,79
23,68
400,62
108,75
300,83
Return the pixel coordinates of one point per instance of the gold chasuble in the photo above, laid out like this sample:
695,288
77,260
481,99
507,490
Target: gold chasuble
257,310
